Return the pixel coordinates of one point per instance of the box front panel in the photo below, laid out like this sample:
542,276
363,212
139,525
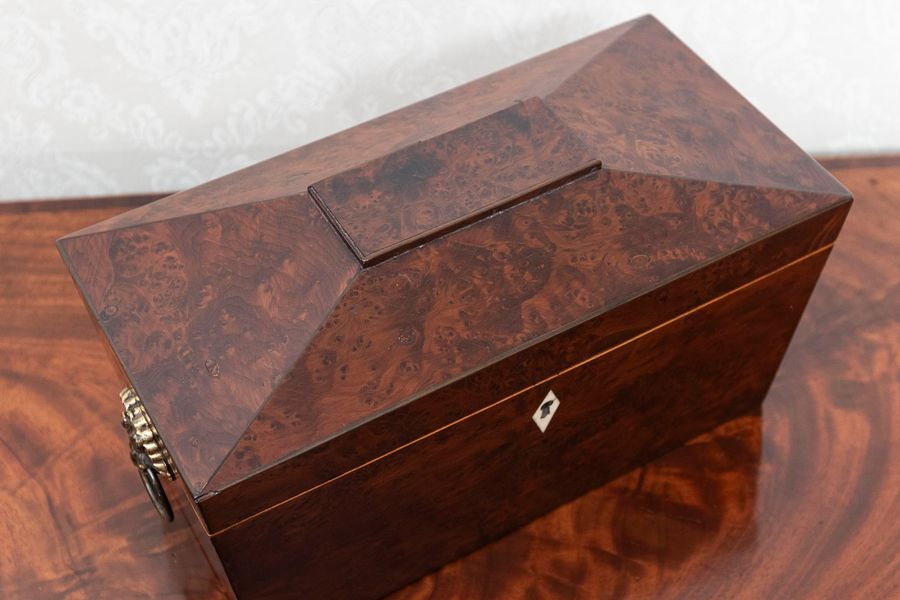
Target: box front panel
454,400
388,522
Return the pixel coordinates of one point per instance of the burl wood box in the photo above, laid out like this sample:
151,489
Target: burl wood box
373,354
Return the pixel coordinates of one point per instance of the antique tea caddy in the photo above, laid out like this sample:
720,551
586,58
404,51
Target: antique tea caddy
368,356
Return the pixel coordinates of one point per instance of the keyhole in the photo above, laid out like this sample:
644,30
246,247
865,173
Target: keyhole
545,408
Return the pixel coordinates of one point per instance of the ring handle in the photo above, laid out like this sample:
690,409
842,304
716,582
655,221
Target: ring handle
148,453
157,494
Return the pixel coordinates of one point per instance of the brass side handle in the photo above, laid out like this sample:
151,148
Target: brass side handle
148,452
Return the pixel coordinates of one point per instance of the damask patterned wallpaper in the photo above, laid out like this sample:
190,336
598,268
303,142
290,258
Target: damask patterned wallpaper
117,96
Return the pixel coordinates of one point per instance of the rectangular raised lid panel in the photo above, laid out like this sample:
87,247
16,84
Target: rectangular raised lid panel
434,186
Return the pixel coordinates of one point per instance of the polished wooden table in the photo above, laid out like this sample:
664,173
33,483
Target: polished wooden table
800,501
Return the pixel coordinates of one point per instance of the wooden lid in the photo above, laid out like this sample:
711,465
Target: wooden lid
264,313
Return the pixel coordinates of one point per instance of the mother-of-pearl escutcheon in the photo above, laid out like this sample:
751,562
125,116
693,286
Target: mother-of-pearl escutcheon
545,411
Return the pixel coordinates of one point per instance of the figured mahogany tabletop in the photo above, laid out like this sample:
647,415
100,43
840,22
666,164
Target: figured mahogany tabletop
800,501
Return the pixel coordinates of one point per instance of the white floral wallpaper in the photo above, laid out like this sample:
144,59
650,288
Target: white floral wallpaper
118,96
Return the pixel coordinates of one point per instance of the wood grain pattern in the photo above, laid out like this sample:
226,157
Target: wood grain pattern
444,310
73,520
693,173
463,486
797,502
428,188
196,309
542,266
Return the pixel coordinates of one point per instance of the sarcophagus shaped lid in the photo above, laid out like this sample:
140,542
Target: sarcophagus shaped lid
268,313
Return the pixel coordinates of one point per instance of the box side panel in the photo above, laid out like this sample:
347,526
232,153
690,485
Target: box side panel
380,526
185,509
207,312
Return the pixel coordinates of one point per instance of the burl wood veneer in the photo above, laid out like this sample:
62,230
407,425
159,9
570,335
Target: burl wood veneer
342,347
